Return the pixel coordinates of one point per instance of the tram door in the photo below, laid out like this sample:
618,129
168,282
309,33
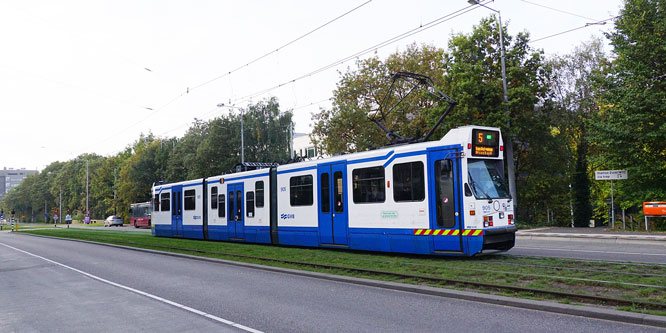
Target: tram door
177,211
445,199
333,218
235,212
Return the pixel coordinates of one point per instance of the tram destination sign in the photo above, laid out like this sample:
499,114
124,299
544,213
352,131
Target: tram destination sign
610,174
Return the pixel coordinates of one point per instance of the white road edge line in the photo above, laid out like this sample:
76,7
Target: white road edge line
590,251
143,293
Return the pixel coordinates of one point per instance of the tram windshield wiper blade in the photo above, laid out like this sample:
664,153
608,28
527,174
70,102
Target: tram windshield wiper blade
474,187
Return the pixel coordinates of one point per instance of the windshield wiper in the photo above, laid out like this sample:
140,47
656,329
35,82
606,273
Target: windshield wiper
471,180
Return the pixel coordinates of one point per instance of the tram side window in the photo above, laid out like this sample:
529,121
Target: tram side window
220,204
338,195
239,205
408,182
368,185
165,202
300,190
259,190
325,193
189,200
213,197
249,203
156,203
231,206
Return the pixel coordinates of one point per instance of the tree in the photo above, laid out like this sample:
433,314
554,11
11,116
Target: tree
268,129
470,72
575,96
213,147
359,94
630,127
474,79
137,174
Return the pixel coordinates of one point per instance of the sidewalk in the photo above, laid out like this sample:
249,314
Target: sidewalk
593,234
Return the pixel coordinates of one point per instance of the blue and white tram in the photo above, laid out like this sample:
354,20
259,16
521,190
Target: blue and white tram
437,197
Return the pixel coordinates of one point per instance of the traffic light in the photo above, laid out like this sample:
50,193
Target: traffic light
56,211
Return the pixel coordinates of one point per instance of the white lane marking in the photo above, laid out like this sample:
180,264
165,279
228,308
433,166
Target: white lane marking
136,291
589,251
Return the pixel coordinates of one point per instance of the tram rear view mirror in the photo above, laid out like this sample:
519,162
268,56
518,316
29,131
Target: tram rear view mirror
468,191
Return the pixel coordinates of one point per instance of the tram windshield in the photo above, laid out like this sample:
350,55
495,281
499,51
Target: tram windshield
486,178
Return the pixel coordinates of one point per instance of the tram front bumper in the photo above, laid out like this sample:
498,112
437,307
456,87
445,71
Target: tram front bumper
500,238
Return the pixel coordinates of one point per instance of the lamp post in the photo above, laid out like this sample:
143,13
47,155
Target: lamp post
221,105
509,147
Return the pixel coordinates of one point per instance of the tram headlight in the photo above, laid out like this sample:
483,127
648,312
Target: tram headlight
487,221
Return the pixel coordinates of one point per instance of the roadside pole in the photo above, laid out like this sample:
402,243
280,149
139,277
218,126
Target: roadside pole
612,207
611,175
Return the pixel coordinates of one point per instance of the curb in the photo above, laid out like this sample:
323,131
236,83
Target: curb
575,310
624,239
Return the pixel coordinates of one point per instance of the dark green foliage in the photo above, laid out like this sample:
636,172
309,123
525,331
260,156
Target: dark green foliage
630,128
574,100
581,186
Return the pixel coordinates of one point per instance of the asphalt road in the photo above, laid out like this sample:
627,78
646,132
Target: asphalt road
114,289
582,248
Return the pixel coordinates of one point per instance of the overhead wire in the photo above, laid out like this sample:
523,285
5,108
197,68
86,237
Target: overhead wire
77,87
559,10
115,134
574,29
377,46
188,90
595,21
311,104
82,38
384,43
279,48
387,42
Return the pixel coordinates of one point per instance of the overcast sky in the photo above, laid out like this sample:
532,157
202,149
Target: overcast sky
89,76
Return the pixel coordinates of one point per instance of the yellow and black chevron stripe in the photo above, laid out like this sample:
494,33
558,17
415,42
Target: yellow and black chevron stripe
447,232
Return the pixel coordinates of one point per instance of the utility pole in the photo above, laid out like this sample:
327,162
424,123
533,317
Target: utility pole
508,146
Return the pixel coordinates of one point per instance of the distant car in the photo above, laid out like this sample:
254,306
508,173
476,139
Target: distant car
113,220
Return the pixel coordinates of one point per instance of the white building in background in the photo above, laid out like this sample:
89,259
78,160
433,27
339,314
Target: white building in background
303,147
10,178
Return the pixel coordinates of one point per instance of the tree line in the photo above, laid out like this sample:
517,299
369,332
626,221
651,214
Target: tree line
208,148
568,115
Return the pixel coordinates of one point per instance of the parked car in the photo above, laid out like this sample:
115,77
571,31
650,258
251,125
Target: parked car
113,220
